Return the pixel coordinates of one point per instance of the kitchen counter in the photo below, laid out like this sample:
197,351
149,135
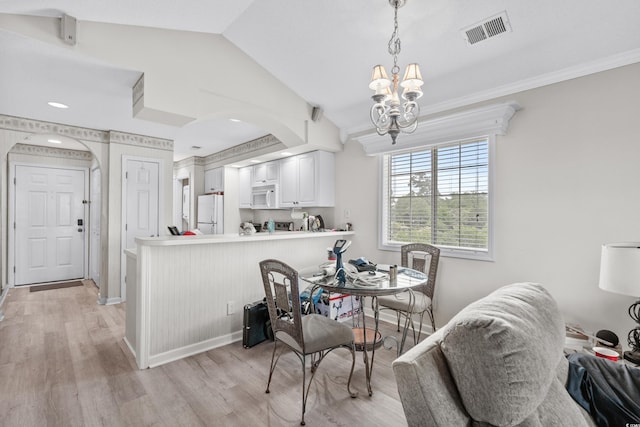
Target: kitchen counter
206,239
185,294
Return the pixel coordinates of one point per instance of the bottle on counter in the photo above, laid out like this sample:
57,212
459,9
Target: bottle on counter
271,226
305,221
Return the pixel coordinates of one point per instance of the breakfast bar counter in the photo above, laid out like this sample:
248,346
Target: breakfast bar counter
185,294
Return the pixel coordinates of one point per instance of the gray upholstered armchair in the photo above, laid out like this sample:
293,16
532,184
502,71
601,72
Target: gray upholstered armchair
498,362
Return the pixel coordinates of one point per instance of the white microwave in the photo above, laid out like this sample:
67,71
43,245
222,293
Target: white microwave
264,197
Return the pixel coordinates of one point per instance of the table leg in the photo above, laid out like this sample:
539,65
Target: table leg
366,340
376,318
407,321
365,356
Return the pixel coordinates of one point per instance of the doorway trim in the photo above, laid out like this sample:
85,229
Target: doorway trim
11,235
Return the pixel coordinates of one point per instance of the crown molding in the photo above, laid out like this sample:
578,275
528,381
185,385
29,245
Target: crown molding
36,126
40,150
104,137
140,140
243,149
614,61
189,161
487,120
581,70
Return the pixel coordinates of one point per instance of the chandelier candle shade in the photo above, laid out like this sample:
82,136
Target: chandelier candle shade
620,273
387,113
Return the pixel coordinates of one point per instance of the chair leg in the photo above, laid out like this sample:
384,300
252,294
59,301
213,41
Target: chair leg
433,322
274,362
353,364
398,316
415,341
305,394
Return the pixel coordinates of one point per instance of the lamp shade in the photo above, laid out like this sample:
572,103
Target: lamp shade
379,78
620,268
412,76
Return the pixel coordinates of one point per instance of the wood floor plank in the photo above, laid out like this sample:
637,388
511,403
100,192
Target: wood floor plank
63,362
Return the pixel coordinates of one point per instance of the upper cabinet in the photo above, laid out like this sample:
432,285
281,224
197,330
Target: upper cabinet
266,173
308,180
214,180
244,186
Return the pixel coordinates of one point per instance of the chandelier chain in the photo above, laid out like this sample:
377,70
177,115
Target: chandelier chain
394,42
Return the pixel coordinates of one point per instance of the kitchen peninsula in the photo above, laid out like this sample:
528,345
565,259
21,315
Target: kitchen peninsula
185,294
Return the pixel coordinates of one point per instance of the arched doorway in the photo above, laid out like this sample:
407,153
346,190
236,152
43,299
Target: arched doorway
52,233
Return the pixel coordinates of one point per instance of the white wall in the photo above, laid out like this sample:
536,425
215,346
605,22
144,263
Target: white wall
566,182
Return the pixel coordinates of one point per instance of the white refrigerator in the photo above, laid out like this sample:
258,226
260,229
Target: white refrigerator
210,214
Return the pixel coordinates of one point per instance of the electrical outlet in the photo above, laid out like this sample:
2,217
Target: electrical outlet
231,308
347,214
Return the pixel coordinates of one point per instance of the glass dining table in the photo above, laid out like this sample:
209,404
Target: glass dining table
369,284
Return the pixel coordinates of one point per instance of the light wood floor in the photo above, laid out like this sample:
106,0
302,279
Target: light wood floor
63,362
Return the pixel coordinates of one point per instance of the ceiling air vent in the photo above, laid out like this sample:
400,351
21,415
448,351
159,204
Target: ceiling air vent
490,27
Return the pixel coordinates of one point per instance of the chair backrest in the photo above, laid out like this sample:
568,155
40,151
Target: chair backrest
283,298
414,255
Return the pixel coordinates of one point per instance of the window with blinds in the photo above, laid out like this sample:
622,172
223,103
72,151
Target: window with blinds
438,196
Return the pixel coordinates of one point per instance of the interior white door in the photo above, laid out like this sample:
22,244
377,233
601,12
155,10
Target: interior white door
49,224
141,199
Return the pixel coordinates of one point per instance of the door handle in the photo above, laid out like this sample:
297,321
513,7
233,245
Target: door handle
79,229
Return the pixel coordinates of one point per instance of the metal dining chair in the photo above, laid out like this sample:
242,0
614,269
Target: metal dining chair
415,256
309,335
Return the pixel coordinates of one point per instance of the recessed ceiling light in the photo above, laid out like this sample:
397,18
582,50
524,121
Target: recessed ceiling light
254,161
57,105
235,166
285,153
54,141
235,120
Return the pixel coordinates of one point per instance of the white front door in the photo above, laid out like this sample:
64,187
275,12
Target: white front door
142,181
49,224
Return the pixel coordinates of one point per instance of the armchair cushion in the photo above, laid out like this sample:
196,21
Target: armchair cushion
503,353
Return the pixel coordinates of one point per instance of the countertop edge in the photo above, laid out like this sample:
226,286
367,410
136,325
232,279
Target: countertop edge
208,239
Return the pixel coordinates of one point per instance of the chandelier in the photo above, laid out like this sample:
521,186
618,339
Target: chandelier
387,113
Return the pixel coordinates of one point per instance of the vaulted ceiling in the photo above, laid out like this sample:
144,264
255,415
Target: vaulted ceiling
323,50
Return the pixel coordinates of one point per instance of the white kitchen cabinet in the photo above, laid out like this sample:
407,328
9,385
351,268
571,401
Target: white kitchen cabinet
244,187
266,173
308,180
214,180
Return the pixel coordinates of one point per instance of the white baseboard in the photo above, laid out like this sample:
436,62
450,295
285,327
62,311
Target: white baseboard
126,341
389,316
109,301
190,350
3,295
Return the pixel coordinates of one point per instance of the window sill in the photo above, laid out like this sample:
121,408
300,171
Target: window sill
450,253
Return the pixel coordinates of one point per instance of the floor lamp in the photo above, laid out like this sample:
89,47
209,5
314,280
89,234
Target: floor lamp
620,273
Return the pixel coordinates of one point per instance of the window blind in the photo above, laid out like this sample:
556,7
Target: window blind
438,196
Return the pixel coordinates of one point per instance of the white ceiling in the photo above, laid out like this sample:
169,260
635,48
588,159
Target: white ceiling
324,51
